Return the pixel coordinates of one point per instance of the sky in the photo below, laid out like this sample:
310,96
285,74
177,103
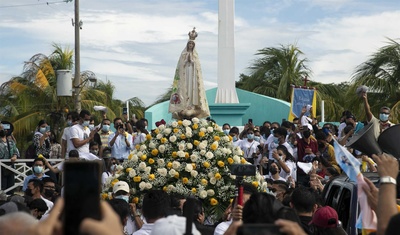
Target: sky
136,44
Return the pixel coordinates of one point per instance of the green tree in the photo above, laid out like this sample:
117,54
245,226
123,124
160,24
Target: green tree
381,73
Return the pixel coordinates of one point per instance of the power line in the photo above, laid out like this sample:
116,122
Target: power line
35,4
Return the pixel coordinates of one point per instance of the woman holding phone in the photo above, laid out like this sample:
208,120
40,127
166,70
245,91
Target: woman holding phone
41,139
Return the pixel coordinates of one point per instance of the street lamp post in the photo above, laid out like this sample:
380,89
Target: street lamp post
77,79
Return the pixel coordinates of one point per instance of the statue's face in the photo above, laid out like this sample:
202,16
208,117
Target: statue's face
190,45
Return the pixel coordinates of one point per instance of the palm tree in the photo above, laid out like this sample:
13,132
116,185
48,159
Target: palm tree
275,72
381,73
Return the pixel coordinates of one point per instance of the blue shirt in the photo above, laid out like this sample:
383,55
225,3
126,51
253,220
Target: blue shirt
120,150
29,177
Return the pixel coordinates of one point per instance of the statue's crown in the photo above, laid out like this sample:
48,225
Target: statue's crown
192,34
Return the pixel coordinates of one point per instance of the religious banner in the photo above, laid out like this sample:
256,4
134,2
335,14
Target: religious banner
302,97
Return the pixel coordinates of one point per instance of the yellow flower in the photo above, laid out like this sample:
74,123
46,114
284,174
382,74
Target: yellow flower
114,182
202,134
176,130
157,131
165,188
135,200
176,175
143,157
216,138
174,154
137,179
128,169
183,136
152,177
194,190
204,182
169,165
231,200
255,184
104,196
196,143
218,176
40,156
148,137
242,160
126,134
185,180
213,202
151,161
221,164
214,146
130,156
230,160
206,164
194,165
137,147
154,152
180,122
164,140
187,155
195,126
230,137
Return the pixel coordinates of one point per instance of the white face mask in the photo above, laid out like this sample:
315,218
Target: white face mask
91,126
85,123
123,197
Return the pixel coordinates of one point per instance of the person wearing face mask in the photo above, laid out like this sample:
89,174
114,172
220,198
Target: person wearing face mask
104,133
279,138
249,146
326,151
121,141
380,124
66,143
8,150
49,189
234,133
306,144
38,168
110,169
140,135
226,128
274,172
41,139
35,190
80,134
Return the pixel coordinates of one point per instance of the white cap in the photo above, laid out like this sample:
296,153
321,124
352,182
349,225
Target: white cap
121,185
100,108
172,225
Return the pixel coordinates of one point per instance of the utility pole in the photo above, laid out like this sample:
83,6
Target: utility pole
77,78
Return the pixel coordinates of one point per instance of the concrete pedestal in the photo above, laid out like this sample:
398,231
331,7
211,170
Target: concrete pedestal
229,113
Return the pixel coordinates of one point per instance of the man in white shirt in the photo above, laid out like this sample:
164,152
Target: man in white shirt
121,142
381,124
35,190
80,135
249,147
66,143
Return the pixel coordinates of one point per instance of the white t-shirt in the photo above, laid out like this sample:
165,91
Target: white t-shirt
248,148
138,139
66,136
222,227
293,169
79,132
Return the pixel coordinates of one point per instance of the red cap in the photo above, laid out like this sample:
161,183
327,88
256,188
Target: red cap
325,217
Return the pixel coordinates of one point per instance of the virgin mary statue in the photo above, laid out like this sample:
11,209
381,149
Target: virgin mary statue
188,98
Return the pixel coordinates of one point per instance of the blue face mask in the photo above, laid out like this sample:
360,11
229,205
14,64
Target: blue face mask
123,197
91,126
42,130
257,138
234,138
37,169
383,117
69,123
226,131
85,123
105,128
250,136
276,140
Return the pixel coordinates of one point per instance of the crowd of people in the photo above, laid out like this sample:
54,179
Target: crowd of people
296,158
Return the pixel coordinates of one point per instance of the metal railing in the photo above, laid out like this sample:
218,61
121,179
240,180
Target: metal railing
21,170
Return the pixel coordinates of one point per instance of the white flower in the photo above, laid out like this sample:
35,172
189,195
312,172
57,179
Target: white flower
140,153
186,122
202,146
172,172
218,128
162,171
189,145
203,129
161,148
119,167
193,157
159,136
210,129
181,146
213,180
148,186
134,158
188,167
132,173
236,159
180,154
147,170
258,177
167,131
161,162
203,194
143,147
209,155
172,138
176,165
161,127
152,145
194,173
204,122
225,138
174,124
142,166
210,174
202,152
142,185
195,120
210,192
189,134
170,188
228,151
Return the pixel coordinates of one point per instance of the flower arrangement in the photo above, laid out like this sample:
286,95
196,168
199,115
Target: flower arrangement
188,157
